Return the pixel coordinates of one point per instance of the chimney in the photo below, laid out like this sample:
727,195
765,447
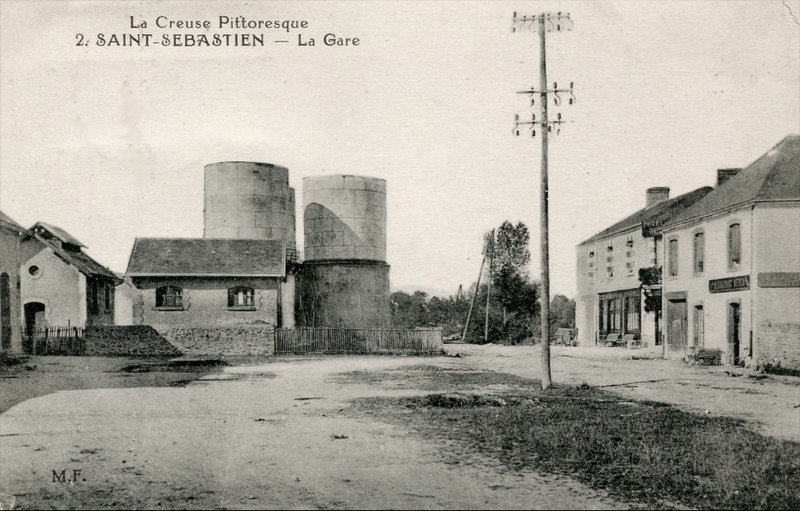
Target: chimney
724,174
657,194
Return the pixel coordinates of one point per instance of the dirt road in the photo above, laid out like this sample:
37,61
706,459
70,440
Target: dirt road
277,435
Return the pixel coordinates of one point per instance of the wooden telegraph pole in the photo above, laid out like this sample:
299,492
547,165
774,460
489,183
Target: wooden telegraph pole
474,296
488,288
546,22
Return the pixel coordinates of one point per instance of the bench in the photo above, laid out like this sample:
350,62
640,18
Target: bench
611,340
707,357
630,341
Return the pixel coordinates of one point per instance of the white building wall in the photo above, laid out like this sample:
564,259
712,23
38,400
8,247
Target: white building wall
696,284
58,285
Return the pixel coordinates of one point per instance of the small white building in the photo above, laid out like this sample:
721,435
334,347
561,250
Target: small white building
61,285
731,279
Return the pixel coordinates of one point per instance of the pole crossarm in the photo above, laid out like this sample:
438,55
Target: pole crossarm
554,22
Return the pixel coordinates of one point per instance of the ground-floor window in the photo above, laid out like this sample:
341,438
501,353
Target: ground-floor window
620,312
241,297
169,297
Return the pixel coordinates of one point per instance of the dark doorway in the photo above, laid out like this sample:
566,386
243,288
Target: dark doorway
34,317
5,312
734,338
677,316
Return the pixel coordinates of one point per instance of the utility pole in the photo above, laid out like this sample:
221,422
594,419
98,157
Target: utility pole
545,22
489,288
474,296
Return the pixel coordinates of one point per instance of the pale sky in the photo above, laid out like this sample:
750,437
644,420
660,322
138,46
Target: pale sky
110,143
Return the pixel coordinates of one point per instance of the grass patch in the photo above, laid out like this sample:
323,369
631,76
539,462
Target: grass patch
430,378
646,452
777,369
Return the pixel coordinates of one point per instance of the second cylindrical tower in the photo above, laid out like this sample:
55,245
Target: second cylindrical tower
344,217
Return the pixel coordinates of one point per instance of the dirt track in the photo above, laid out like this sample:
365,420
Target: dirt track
276,435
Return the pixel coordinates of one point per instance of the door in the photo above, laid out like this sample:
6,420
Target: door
734,324
5,312
677,319
34,317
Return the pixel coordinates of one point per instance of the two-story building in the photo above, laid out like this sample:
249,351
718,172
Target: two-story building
610,299
732,274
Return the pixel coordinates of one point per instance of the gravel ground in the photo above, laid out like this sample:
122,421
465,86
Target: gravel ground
277,435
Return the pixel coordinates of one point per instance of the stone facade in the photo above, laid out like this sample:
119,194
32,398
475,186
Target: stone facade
343,294
222,340
127,341
779,344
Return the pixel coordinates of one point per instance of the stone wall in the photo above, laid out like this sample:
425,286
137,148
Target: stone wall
343,294
779,344
242,339
122,341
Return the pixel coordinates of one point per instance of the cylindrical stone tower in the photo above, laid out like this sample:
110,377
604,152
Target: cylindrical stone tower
345,279
248,200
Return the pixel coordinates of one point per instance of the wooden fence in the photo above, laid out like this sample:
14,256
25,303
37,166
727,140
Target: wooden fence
354,341
55,340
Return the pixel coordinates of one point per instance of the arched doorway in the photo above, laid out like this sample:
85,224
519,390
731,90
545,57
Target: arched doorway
5,312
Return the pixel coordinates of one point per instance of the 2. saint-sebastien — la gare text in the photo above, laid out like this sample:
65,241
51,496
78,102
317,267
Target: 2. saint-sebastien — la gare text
212,39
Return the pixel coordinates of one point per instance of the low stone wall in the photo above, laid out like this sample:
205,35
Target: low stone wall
779,344
244,339
126,341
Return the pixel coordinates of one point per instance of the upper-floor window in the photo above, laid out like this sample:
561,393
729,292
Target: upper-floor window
699,252
241,297
673,258
169,296
734,245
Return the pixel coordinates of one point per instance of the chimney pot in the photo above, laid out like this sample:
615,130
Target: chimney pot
657,194
725,174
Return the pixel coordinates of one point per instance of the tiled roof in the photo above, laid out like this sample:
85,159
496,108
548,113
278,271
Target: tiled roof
80,260
207,257
660,211
7,222
775,176
59,233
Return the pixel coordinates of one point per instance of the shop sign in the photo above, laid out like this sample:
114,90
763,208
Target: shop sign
729,284
650,227
779,279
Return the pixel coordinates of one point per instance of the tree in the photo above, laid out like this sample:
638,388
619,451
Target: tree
511,258
562,312
513,306
650,279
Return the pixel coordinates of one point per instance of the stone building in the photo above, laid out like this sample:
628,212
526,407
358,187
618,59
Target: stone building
609,298
732,274
184,282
